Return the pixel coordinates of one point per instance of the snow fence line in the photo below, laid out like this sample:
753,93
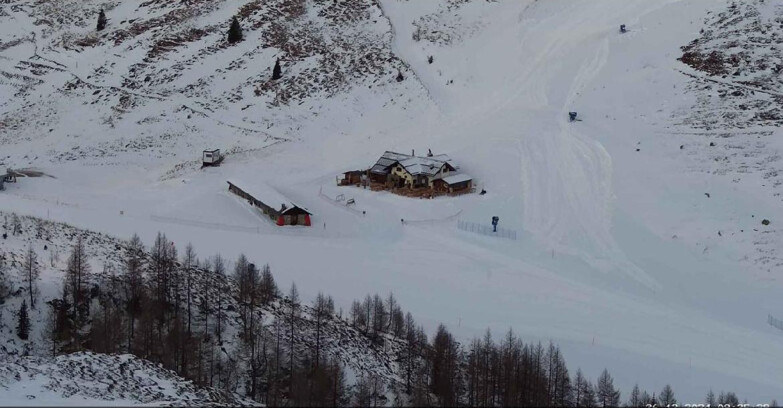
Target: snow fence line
776,323
484,229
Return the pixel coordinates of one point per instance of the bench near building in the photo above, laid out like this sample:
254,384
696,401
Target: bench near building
271,203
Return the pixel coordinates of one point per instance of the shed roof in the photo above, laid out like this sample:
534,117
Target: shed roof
457,178
266,194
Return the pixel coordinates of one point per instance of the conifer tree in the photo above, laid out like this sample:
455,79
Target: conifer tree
5,287
77,275
608,396
23,325
277,73
235,32
30,271
101,21
710,399
292,315
400,78
267,287
635,399
667,396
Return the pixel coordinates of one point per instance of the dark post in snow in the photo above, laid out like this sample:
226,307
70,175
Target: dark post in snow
101,21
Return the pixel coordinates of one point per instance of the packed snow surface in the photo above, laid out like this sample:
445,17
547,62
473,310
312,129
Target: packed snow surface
633,254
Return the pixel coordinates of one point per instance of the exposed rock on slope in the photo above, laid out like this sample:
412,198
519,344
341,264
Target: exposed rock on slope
738,67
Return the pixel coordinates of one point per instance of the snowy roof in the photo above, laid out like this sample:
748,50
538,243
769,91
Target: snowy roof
387,159
457,178
266,194
413,164
423,165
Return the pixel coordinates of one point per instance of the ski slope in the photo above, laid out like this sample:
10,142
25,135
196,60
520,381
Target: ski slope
619,258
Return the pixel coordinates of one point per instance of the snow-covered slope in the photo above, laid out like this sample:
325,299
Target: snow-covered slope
89,379
638,246
161,81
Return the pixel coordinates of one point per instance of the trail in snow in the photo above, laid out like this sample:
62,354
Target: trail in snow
566,178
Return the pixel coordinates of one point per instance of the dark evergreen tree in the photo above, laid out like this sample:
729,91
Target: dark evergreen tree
102,21
635,399
235,32
590,396
23,325
267,288
444,375
608,396
667,396
77,277
728,399
277,73
710,399
430,59
30,271
400,78
580,384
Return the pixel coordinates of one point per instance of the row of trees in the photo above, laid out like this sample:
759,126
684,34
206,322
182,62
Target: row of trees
234,330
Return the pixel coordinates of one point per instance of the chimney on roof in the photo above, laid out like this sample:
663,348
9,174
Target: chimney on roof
283,207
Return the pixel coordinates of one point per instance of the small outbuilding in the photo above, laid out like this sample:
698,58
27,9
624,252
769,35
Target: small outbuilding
453,184
271,203
353,177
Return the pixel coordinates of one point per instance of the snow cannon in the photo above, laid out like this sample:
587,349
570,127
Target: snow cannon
572,116
622,28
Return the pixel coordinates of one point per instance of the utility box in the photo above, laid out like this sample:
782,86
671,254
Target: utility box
211,158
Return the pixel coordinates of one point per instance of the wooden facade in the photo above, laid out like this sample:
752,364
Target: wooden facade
452,184
353,177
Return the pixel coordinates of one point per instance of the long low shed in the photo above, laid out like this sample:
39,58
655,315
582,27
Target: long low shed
270,202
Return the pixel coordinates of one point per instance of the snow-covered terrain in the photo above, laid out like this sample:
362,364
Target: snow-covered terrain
641,245
89,379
